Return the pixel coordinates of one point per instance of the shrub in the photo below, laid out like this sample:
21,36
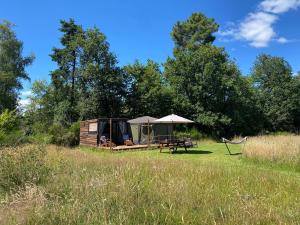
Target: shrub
57,131
66,137
196,134
9,129
8,121
40,138
22,165
39,128
12,138
73,133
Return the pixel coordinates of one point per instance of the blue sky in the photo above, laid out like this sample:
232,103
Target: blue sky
141,29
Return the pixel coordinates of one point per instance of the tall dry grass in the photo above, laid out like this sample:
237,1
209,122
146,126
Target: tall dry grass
113,189
22,165
17,207
282,149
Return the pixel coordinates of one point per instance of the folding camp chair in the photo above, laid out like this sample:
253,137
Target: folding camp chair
189,143
106,142
127,140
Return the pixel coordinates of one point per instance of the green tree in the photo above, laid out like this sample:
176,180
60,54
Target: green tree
196,31
39,113
102,87
88,83
296,101
12,67
209,86
277,90
148,91
65,77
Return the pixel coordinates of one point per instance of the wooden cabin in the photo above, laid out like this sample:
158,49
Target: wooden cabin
114,130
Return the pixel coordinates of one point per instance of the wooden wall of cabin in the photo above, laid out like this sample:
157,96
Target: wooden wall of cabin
87,137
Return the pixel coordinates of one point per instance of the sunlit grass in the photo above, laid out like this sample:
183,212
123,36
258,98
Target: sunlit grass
204,186
276,149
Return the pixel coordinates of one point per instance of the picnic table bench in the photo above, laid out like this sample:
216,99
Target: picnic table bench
173,145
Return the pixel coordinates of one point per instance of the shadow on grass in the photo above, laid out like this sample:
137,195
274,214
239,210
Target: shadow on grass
195,152
233,154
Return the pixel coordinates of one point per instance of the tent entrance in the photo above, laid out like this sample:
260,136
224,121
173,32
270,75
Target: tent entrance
114,129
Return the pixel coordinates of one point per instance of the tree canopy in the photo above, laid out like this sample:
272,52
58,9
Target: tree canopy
278,92
195,31
87,82
148,90
12,67
199,81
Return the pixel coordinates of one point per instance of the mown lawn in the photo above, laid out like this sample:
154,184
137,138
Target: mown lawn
206,152
203,186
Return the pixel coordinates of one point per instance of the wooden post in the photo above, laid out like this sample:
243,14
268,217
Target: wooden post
148,134
110,133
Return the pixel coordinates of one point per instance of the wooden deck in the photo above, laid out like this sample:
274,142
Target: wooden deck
134,147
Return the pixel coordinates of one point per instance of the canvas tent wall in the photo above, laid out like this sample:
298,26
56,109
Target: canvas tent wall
162,131
92,130
142,129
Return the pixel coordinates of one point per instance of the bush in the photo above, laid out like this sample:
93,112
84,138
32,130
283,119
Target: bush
8,121
66,137
40,138
196,134
10,135
39,128
22,165
57,131
74,133
13,138
193,133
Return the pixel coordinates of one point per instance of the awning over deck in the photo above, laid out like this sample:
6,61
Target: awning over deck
142,120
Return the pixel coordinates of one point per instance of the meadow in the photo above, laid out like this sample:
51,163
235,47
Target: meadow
204,186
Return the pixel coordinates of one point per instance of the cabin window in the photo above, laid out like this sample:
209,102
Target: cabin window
93,127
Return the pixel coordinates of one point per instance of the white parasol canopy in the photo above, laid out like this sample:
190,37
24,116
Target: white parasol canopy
173,119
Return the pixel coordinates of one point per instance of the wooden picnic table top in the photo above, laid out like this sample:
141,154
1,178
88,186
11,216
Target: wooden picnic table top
172,144
174,141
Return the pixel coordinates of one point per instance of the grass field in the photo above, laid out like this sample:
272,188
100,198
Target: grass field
204,186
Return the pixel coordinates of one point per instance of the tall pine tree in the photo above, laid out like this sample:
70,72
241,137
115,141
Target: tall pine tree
65,77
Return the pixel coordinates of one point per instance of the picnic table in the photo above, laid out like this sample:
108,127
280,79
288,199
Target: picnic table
173,145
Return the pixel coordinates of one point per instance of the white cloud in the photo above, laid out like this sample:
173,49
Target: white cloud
258,27
25,99
278,6
24,102
282,40
26,93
